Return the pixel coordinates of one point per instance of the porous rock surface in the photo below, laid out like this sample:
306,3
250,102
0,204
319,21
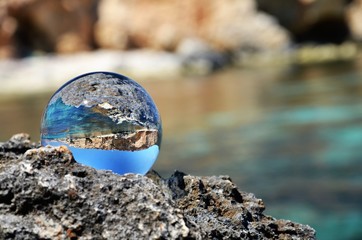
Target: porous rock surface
45,194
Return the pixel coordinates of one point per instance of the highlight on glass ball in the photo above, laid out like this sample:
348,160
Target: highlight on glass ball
107,120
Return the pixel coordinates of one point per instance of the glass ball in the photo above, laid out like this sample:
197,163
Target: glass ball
107,120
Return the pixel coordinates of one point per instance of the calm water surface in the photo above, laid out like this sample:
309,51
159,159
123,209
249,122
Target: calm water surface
292,136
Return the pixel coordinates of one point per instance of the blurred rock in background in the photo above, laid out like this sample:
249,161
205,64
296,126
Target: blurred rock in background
70,26
28,27
225,25
47,26
354,19
185,36
319,21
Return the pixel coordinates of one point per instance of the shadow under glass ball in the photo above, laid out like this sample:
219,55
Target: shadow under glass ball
107,120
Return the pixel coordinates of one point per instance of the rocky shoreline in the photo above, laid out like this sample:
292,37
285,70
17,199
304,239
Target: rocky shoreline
45,43
40,74
45,194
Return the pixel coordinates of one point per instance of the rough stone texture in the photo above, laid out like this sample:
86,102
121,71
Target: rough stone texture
138,140
220,211
45,194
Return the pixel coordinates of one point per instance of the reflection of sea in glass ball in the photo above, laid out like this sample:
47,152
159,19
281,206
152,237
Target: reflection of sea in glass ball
107,120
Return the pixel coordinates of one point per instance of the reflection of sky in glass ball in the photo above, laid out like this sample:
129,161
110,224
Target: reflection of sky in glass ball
107,120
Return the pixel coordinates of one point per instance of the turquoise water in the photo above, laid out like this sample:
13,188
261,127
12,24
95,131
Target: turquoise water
61,121
292,136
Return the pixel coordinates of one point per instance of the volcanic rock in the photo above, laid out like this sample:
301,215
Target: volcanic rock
45,194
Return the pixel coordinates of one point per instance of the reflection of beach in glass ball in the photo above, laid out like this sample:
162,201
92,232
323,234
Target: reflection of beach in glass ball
107,120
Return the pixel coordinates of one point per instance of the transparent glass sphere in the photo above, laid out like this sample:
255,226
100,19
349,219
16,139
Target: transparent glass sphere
107,120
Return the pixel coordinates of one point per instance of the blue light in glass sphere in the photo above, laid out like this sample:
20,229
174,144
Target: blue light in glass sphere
107,120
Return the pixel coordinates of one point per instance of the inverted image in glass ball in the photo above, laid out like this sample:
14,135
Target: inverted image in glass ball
107,120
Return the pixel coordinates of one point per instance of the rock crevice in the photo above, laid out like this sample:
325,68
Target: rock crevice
45,194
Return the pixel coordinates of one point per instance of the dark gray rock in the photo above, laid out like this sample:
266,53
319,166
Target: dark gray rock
45,194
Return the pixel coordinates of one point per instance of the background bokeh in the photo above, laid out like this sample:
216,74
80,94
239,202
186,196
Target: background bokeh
267,92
